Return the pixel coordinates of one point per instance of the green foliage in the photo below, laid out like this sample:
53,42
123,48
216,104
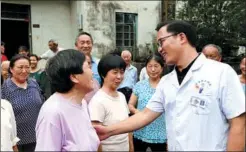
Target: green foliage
221,22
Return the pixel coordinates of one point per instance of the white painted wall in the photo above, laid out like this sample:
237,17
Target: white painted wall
54,18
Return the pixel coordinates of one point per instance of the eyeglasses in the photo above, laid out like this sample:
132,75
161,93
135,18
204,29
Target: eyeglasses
161,40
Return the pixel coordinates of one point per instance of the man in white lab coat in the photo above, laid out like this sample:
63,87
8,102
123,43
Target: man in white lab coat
202,99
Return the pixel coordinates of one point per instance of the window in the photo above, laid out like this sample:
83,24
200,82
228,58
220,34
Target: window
125,30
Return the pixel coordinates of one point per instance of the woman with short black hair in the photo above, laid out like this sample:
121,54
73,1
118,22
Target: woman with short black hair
108,106
64,123
26,99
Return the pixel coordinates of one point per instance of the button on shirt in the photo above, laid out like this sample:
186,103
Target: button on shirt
130,77
197,111
26,104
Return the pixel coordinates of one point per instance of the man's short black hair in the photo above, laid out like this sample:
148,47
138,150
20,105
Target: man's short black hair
83,33
61,66
109,62
177,27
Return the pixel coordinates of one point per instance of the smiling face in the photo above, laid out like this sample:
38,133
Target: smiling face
169,45
20,71
113,78
243,66
84,44
34,62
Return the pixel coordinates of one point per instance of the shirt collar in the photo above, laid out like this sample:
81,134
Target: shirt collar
12,86
130,67
93,60
198,62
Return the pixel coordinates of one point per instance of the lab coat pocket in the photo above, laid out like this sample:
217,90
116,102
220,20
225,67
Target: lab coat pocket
200,104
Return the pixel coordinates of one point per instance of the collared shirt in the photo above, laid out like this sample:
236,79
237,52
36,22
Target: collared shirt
26,104
94,65
181,75
130,77
197,111
49,54
65,126
8,127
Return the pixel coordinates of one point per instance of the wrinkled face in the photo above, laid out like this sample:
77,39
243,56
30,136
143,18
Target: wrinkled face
211,53
127,58
52,46
4,72
170,45
23,52
243,66
154,69
84,44
84,81
21,70
113,78
2,49
34,62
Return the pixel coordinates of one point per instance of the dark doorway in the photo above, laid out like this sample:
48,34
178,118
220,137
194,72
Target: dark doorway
15,27
14,34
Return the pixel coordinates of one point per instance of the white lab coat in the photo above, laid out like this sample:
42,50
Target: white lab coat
197,110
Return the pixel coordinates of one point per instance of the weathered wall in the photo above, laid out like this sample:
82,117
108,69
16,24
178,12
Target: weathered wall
99,20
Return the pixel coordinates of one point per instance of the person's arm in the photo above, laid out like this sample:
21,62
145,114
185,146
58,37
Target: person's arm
236,137
131,145
45,55
48,136
14,137
152,111
98,123
135,122
132,103
233,107
15,148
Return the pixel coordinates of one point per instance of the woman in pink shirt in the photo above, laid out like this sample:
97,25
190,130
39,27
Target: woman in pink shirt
64,123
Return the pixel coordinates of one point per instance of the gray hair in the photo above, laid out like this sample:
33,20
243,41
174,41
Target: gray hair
53,41
215,46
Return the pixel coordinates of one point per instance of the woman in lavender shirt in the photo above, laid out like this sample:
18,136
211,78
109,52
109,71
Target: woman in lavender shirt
63,123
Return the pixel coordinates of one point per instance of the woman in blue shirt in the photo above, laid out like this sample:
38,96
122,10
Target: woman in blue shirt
153,135
25,97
